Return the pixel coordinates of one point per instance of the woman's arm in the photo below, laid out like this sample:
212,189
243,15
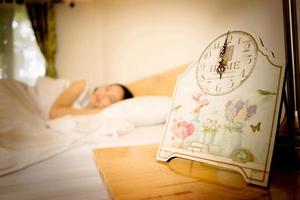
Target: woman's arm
63,104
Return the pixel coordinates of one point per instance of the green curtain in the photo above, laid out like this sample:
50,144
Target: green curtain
42,17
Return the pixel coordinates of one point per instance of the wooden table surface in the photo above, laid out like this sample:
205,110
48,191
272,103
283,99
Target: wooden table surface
133,173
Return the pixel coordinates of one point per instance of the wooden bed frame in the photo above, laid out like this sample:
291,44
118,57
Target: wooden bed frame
161,84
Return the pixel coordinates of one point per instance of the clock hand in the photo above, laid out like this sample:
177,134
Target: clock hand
222,63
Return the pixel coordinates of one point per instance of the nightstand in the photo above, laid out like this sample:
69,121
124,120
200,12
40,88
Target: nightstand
133,173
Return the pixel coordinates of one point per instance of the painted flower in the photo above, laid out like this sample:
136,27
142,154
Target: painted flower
183,129
200,105
201,100
251,110
239,105
241,115
196,96
239,111
210,125
230,111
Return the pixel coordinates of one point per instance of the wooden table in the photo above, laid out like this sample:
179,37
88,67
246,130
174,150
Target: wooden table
133,173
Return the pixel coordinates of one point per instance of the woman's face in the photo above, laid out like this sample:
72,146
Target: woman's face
104,96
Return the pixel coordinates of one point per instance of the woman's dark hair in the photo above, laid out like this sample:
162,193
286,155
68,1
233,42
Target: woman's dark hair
127,93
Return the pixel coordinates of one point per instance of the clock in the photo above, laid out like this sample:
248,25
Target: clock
225,107
240,57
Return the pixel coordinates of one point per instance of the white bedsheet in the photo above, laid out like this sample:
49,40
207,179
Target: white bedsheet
73,173
27,138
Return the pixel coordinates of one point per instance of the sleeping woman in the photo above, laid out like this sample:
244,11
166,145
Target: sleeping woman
75,100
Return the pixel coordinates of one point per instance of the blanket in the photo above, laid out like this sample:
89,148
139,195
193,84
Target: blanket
24,136
27,138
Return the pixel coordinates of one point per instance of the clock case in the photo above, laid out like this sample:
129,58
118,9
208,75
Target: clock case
235,131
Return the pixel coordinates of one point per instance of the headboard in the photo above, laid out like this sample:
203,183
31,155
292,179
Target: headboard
161,84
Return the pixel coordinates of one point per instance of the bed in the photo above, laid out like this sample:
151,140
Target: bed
42,159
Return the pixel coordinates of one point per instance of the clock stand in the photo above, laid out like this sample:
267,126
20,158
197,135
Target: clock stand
287,149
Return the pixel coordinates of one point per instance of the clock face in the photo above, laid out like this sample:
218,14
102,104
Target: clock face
240,57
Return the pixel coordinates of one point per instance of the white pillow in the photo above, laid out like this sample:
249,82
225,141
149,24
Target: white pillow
140,111
46,91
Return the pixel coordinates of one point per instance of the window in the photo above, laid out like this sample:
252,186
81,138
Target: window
20,57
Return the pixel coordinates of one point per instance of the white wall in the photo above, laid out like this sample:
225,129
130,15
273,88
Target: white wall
123,40
80,42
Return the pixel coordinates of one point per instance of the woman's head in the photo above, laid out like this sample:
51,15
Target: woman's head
106,95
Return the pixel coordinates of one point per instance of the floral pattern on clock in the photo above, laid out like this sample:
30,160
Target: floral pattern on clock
223,138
